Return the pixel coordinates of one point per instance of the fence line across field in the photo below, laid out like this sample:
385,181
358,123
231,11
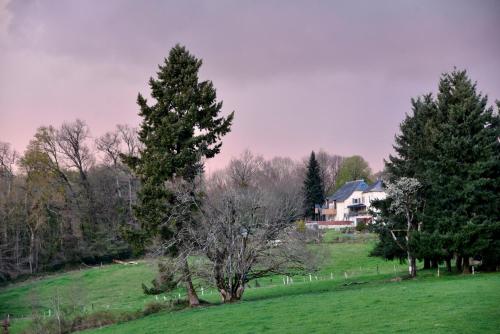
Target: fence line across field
287,281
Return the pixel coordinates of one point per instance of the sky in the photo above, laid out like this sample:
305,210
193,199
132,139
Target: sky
300,75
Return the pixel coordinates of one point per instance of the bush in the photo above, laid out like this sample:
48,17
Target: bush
361,226
165,281
154,307
40,326
347,230
301,226
94,320
79,322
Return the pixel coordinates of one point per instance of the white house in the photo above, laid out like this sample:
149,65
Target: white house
352,202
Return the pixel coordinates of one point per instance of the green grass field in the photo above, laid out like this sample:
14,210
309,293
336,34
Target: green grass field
462,305
360,298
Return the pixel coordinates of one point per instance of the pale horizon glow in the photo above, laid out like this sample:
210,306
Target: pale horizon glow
300,76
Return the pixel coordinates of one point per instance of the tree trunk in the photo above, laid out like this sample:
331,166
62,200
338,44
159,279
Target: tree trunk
17,248
427,263
231,296
118,186
32,250
412,263
239,292
458,264
448,264
466,269
413,266
130,195
191,292
434,263
231,289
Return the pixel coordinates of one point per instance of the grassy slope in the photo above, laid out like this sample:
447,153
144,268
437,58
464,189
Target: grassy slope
114,285
453,305
119,286
319,305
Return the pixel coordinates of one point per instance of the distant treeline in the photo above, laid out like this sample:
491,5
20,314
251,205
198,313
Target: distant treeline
66,199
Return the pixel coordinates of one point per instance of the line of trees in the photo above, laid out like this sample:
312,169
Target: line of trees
69,198
444,181
66,199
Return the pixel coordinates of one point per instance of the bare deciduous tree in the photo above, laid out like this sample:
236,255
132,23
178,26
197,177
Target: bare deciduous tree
330,167
9,257
129,137
8,158
71,140
244,228
109,145
247,226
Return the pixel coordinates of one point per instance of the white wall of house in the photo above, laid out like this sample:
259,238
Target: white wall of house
356,197
342,207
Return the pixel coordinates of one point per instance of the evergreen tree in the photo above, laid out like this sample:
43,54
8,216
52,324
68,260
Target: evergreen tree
313,186
450,144
466,168
179,131
413,147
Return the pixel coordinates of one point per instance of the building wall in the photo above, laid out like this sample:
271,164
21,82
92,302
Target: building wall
365,198
344,210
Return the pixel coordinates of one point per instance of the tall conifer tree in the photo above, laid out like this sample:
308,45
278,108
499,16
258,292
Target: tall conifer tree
181,129
466,169
313,186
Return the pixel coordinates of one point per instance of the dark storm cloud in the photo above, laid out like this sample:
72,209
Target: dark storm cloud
300,74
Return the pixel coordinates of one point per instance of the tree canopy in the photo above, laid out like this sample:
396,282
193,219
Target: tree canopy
353,168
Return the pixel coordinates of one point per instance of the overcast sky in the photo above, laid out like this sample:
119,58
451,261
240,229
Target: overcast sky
300,75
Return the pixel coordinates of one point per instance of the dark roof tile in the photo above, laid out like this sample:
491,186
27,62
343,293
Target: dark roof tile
347,189
377,186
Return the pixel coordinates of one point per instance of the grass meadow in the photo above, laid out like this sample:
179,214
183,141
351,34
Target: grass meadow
351,293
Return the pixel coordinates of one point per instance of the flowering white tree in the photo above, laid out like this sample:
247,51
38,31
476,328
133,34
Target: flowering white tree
405,202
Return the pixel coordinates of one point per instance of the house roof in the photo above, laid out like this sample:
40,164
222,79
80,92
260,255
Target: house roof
377,186
347,189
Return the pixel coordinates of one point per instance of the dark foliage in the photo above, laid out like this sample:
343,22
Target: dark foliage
313,186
